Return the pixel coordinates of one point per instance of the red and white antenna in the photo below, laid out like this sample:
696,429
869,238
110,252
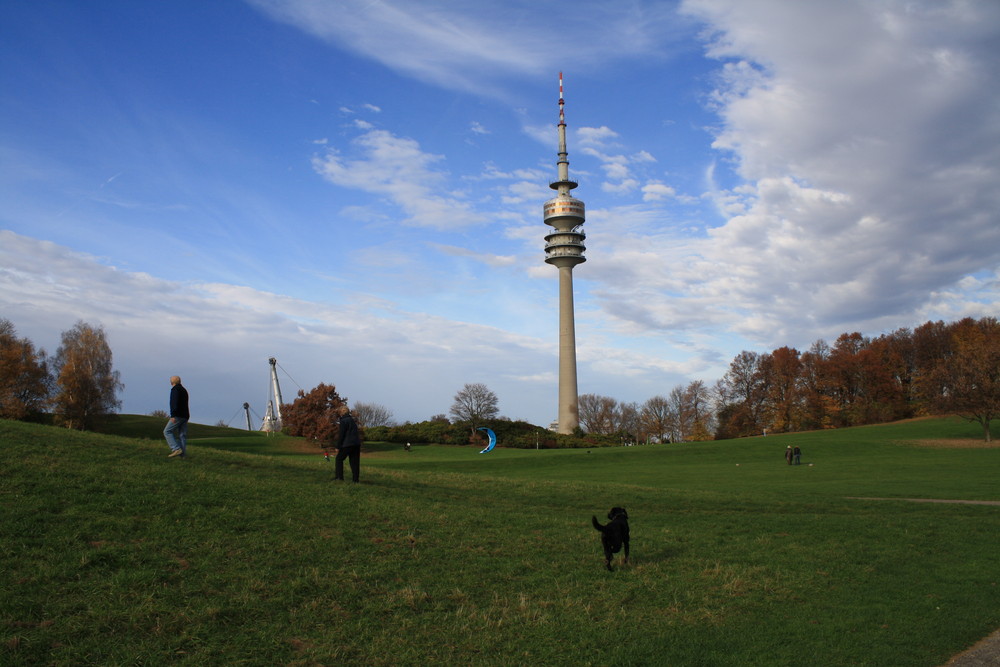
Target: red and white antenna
562,116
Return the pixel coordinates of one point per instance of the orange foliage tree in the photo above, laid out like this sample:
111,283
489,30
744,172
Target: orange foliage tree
25,381
966,382
87,383
313,415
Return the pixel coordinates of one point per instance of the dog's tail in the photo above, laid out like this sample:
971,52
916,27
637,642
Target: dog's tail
597,526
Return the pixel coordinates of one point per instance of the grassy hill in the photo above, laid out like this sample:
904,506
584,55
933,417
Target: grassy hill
110,553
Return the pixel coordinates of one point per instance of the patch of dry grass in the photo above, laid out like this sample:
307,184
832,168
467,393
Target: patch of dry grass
951,443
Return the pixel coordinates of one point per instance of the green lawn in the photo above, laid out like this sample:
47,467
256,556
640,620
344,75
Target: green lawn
247,553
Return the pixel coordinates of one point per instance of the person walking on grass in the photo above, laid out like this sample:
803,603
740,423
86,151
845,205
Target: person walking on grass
176,429
797,453
348,445
788,454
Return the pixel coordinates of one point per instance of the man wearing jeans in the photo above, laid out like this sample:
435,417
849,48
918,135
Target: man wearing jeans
176,429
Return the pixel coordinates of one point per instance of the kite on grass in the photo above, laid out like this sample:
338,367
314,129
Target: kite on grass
493,439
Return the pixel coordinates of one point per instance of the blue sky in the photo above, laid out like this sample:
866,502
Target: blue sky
355,188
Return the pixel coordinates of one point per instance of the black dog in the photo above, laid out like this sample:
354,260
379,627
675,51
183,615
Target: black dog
614,535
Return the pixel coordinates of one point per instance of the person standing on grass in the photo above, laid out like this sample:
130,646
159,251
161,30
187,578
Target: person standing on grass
176,430
797,453
788,454
348,445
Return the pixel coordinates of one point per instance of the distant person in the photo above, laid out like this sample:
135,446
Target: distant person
788,454
797,453
348,445
407,447
176,430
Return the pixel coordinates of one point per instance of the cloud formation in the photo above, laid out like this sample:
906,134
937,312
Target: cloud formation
439,42
397,168
219,337
870,172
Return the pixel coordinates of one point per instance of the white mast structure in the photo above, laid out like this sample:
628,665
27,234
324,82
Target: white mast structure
564,249
272,418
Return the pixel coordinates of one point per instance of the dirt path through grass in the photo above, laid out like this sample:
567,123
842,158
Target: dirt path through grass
934,500
984,654
987,652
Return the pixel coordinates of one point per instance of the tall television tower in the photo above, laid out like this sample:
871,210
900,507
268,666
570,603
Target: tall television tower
564,250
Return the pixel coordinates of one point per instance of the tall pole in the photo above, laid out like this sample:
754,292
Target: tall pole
564,249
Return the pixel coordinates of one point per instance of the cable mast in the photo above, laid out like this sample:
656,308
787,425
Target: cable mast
272,418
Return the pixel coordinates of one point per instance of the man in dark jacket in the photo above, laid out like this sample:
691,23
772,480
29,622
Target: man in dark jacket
348,445
176,429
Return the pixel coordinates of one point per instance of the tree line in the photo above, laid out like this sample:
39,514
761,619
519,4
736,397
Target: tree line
932,369
78,386
936,368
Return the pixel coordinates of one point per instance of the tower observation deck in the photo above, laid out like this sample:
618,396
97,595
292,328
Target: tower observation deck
564,246
564,249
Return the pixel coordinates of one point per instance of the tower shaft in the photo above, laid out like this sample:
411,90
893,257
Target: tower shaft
569,412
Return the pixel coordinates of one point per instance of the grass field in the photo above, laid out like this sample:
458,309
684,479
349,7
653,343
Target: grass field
247,553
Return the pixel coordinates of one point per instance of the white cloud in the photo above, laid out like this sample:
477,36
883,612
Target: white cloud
396,167
219,336
595,138
440,42
621,186
656,191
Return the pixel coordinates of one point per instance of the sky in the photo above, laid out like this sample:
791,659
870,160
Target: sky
355,188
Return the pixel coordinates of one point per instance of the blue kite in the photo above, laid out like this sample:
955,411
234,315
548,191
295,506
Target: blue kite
493,439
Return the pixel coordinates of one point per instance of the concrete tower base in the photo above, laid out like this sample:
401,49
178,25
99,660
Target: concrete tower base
569,412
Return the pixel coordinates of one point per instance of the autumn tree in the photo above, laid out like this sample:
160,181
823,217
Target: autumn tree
782,370
745,390
967,381
900,346
87,384
886,381
25,381
313,415
817,402
475,403
371,414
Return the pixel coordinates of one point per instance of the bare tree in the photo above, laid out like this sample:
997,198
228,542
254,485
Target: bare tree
680,424
87,384
628,421
25,381
598,414
697,408
588,411
656,418
745,393
475,403
371,414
